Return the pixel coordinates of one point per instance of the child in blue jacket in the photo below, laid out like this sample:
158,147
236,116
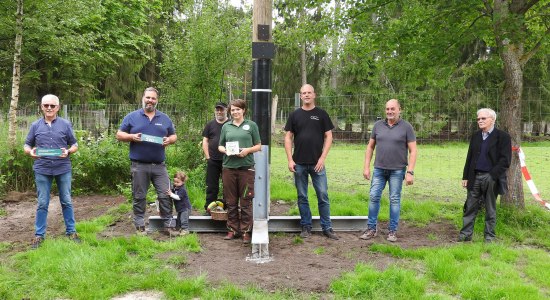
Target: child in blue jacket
180,200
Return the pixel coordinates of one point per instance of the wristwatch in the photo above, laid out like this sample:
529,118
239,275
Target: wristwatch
411,172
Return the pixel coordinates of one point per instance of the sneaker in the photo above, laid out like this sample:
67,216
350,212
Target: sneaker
463,238
73,237
392,236
246,238
184,232
306,232
174,232
330,234
230,235
140,230
36,242
369,234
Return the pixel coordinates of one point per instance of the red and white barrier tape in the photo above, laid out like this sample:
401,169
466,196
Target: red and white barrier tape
528,178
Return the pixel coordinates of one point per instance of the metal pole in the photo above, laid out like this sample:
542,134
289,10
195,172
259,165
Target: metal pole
262,53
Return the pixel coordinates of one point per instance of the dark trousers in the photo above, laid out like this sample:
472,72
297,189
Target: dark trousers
482,193
142,176
238,188
213,173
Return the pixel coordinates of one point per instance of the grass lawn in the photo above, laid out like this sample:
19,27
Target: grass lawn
517,267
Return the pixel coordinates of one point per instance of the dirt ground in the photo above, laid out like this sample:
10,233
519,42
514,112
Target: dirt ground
307,267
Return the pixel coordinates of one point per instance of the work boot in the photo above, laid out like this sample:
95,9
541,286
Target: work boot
36,242
73,237
140,230
330,234
174,232
306,232
464,238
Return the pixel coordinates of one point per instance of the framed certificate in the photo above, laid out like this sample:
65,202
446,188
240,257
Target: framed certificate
232,148
48,152
151,139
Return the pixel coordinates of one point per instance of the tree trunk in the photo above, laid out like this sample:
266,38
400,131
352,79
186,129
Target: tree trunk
511,122
16,79
303,66
334,56
511,51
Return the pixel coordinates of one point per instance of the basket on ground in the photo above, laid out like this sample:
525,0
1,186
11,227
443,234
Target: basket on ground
219,215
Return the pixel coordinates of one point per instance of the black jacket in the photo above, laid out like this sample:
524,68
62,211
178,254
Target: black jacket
499,152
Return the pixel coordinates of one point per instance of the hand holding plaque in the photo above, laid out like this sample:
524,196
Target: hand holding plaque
151,139
232,148
48,152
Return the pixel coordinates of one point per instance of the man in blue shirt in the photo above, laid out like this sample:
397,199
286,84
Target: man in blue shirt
49,142
149,131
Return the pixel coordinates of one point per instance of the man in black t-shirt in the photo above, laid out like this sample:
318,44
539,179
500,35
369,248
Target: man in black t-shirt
309,129
211,138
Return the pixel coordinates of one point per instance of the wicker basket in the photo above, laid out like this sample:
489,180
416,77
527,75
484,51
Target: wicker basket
219,215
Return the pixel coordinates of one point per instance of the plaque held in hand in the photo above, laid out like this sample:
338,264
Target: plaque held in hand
232,148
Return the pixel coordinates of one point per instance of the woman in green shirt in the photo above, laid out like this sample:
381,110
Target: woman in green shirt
239,139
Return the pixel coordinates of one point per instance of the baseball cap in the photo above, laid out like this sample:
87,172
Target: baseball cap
221,104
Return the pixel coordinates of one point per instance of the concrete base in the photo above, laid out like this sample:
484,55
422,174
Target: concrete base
275,224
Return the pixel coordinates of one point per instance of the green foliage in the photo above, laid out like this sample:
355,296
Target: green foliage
367,282
476,270
16,172
99,167
529,226
319,250
70,48
205,56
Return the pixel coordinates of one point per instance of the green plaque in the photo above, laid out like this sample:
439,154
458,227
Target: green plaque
151,139
48,152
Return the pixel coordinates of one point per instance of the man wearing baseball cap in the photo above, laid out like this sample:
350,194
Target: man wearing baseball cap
211,137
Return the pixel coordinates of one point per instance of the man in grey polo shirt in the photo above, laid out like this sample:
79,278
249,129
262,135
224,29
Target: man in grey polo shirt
392,138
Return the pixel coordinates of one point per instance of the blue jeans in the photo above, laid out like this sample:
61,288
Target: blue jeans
43,188
319,180
378,183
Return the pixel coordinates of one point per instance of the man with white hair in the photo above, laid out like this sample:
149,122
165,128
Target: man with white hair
149,132
50,142
484,176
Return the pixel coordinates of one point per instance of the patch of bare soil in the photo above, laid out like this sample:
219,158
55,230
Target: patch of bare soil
307,266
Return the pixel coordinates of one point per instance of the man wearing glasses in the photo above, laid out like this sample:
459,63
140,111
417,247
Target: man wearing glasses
489,156
49,142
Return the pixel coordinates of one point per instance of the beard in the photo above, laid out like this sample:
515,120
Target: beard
150,108
220,117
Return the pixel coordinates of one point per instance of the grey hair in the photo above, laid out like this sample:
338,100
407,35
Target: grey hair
151,89
50,97
491,112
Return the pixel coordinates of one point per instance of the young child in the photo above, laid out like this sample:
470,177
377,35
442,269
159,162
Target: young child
181,202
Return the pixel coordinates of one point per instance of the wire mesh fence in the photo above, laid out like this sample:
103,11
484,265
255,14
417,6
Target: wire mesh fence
437,116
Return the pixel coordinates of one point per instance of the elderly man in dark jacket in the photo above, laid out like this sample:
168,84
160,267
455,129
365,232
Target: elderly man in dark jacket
489,156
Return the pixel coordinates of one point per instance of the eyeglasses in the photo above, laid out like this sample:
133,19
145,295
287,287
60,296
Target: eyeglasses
481,119
49,105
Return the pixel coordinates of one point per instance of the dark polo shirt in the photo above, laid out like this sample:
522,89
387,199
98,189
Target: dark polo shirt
160,125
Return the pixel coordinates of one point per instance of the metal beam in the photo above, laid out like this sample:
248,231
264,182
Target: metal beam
275,224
